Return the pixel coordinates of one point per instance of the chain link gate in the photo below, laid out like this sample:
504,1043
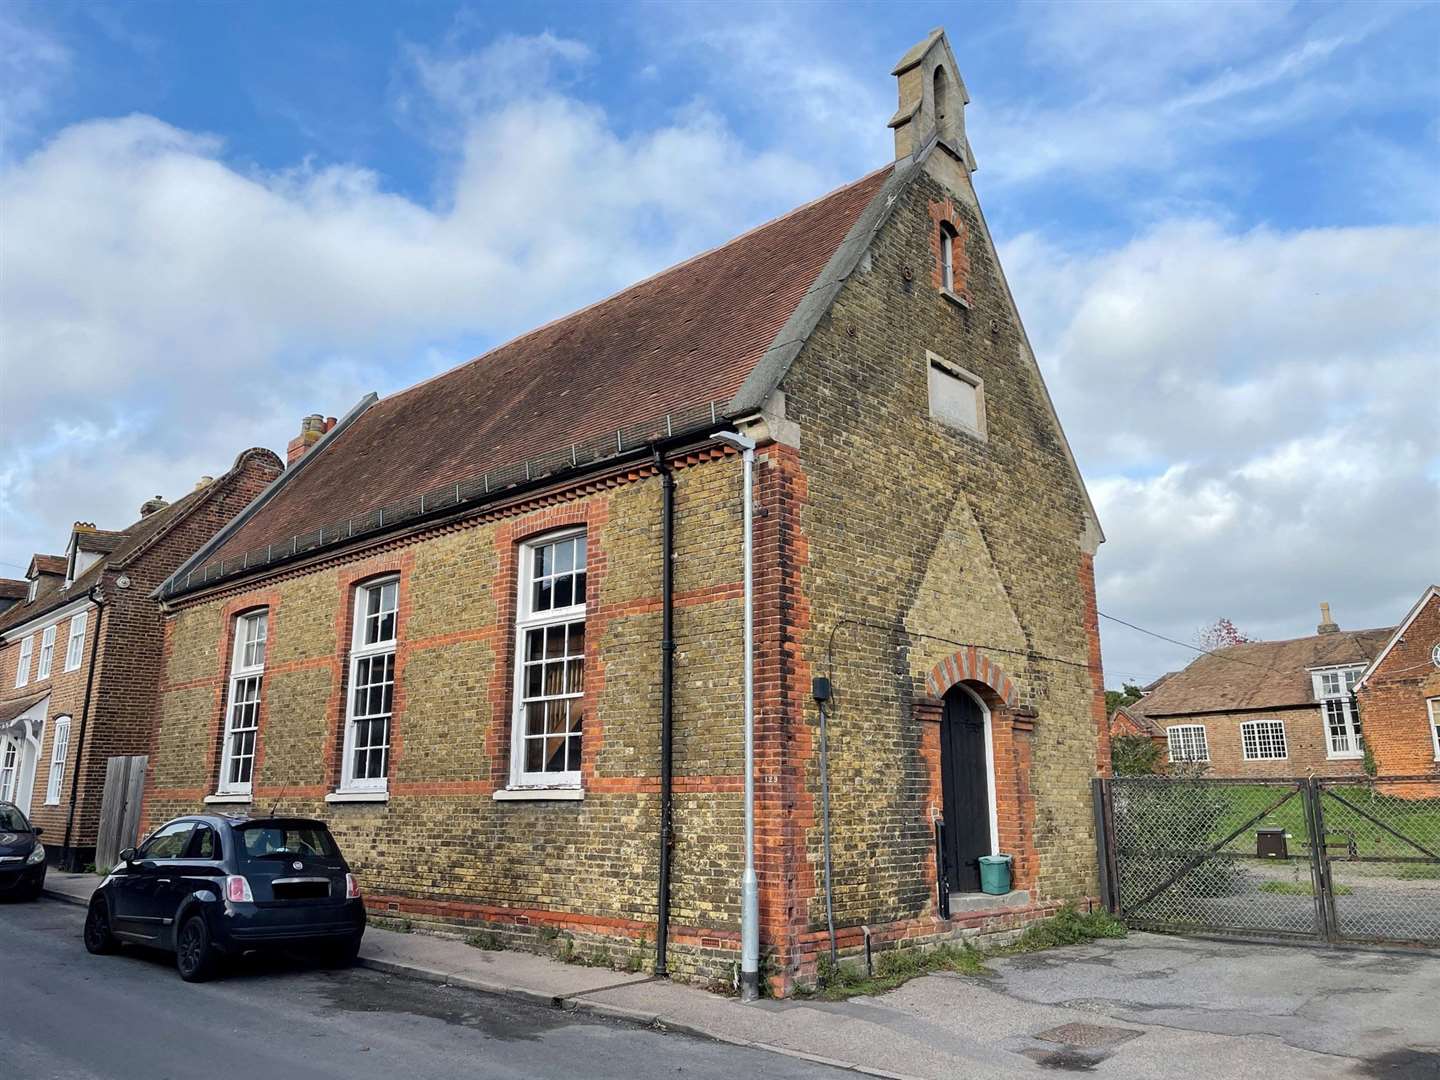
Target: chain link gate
1339,860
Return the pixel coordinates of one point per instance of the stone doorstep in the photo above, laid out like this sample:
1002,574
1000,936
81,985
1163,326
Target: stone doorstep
973,903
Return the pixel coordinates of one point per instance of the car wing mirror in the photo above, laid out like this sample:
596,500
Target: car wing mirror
127,856
38,830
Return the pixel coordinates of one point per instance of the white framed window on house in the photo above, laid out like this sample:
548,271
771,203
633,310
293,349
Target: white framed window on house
242,714
366,763
957,396
1263,740
9,769
75,643
947,257
22,669
47,654
1335,691
548,720
59,751
1434,706
1187,742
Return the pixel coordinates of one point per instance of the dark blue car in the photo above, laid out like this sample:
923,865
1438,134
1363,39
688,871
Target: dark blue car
207,886
22,856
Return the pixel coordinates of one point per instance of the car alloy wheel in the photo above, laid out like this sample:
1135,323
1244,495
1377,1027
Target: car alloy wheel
98,939
193,956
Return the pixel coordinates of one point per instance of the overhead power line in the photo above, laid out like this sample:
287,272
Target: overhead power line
1184,644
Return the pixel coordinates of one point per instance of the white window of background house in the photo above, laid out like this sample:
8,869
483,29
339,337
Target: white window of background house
372,687
549,663
957,396
1187,742
1434,705
59,749
47,654
1335,690
22,669
242,719
75,644
9,769
1263,740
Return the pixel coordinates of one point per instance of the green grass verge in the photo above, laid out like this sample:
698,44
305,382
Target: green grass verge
898,966
1300,888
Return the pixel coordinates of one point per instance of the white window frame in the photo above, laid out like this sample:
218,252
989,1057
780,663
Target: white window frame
11,762
947,257
1433,705
22,666
243,701
1334,689
366,654
59,753
526,620
1251,733
46,660
937,362
75,640
1180,732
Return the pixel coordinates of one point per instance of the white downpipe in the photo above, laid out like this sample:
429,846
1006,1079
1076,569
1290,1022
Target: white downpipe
749,885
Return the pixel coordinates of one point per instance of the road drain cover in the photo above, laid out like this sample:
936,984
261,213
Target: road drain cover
1087,1036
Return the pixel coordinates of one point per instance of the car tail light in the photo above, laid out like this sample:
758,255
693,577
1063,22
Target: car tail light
352,887
237,890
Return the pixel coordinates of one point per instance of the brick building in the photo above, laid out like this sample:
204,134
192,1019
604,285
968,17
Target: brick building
1268,708
1399,694
80,654
490,627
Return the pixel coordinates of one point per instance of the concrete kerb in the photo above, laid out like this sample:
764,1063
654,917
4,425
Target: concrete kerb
577,1003
581,1004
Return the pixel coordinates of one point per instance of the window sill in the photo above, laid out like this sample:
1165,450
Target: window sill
357,796
538,794
1345,757
237,798
955,298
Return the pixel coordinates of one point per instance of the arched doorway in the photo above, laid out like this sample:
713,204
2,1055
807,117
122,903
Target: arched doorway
967,779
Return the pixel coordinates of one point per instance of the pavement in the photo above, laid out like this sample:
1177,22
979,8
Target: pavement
1145,1006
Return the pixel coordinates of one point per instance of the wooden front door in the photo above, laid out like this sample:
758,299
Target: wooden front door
964,779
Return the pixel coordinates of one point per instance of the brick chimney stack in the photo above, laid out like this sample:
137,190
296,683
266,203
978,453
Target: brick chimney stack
1327,624
311,428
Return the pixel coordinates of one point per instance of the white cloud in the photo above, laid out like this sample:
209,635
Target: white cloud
162,309
32,64
1255,412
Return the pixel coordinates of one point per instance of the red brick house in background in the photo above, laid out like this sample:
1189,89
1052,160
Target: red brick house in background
1133,721
1399,694
80,654
1269,708
490,627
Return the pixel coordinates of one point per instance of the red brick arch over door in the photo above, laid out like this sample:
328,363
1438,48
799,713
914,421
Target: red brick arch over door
972,665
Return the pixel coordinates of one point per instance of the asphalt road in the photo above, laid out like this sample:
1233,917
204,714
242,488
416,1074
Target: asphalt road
67,1015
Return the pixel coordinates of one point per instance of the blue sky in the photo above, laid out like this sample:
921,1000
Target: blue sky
1220,221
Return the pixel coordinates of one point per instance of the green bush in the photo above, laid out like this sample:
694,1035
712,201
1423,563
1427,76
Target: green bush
1134,755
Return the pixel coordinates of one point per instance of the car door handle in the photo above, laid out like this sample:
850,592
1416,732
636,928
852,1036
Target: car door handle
164,880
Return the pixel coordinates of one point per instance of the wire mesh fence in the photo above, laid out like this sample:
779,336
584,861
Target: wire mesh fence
1326,859
1382,845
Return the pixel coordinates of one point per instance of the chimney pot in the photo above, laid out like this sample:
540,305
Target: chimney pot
1327,624
150,506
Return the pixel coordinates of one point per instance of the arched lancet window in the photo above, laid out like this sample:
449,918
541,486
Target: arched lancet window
942,101
947,256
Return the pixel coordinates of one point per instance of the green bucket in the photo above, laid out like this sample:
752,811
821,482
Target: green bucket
995,874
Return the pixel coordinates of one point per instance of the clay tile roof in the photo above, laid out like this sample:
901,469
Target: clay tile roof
678,341
102,541
9,710
13,589
1260,675
48,564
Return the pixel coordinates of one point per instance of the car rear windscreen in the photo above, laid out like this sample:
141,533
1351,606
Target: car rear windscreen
280,840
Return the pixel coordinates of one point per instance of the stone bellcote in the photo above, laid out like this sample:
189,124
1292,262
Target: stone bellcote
932,100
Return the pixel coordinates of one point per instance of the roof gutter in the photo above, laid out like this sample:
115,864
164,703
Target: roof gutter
233,526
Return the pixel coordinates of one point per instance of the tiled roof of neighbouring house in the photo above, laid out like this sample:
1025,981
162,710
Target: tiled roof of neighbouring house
1259,675
13,589
123,544
48,564
678,341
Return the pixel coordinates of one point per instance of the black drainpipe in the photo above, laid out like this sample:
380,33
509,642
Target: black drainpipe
667,679
97,599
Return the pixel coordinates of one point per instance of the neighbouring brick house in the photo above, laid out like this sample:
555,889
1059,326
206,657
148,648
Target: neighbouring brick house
1268,708
445,628
1399,694
80,654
